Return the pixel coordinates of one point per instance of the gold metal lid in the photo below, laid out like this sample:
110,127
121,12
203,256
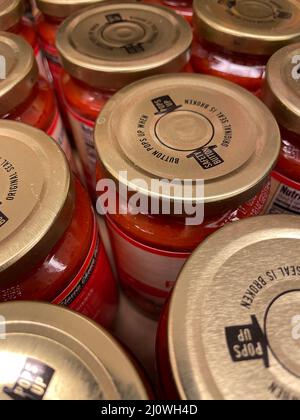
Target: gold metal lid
20,68
258,27
233,329
64,8
189,127
36,197
51,353
11,12
114,44
281,92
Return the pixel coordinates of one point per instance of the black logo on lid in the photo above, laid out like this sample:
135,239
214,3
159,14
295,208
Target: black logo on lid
134,48
114,18
247,342
164,104
3,219
207,157
32,383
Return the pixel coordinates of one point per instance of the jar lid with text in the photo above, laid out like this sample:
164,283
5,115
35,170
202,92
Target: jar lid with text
114,44
36,197
188,128
259,27
281,92
20,71
51,353
11,12
234,321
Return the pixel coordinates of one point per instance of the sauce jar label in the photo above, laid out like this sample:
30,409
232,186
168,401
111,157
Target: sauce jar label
83,130
42,64
285,196
53,60
58,133
86,292
150,271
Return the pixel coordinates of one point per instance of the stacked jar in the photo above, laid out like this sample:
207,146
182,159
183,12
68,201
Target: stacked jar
231,329
281,93
107,47
235,39
53,14
25,96
182,7
217,141
50,247
11,20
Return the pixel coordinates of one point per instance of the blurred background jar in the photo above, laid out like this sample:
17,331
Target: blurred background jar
53,354
107,47
281,93
180,130
50,247
54,12
11,20
230,330
24,95
182,7
235,39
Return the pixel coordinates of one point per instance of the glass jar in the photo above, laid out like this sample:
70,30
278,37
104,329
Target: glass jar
235,39
11,19
53,14
215,140
182,7
53,354
24,95
281,93
50,247
107,47
231,329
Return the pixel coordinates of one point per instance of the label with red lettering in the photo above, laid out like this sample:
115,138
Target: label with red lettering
53,60
93,291
83,131
58,133
285,196
149,271
42,64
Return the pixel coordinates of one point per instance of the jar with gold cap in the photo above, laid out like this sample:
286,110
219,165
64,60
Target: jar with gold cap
107,47
50,353
182,131
24,95
11,19
50,249
54,12
182,7
281,93
235,39
231,329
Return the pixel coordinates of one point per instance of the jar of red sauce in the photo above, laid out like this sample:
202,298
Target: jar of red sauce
53,354
235,39
107,47
182,129
53,14
24,95
11,19
230,330
50,247
281,93
182,7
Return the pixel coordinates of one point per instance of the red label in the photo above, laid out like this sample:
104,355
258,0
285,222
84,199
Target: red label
93,291
58,133
149,271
